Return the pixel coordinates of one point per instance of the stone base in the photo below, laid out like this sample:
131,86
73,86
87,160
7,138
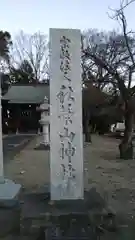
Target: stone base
38,212
9,192
42,146
10,222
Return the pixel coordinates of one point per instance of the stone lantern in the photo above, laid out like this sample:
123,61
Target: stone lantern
44,122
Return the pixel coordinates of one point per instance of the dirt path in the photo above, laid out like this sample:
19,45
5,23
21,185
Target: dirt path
102,169
107,172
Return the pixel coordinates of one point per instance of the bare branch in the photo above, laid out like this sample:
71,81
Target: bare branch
123,5
34,49
110,70
128,37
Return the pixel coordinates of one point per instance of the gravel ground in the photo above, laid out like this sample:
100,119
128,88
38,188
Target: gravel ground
112,177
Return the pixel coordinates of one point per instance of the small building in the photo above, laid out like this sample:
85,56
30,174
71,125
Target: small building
19,106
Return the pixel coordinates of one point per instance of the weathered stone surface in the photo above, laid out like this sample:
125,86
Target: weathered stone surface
94,200
9,220
66,136
9,192
37,212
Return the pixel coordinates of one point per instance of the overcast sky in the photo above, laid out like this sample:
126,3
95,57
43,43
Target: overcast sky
35,15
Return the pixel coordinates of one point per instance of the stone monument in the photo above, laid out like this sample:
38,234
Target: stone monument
66,141
44,121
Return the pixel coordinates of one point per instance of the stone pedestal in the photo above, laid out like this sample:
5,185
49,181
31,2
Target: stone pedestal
9,192
68,219
10,222
9,207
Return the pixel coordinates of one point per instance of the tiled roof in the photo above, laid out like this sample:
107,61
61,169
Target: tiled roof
27,93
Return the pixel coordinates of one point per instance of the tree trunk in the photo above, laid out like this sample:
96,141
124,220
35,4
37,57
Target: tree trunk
88,132
126,146
86,126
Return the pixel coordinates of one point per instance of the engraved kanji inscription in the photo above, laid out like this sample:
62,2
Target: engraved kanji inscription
70,151
67,134
65,58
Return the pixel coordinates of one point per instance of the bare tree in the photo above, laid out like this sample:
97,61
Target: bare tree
109,47
121,68
34,49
